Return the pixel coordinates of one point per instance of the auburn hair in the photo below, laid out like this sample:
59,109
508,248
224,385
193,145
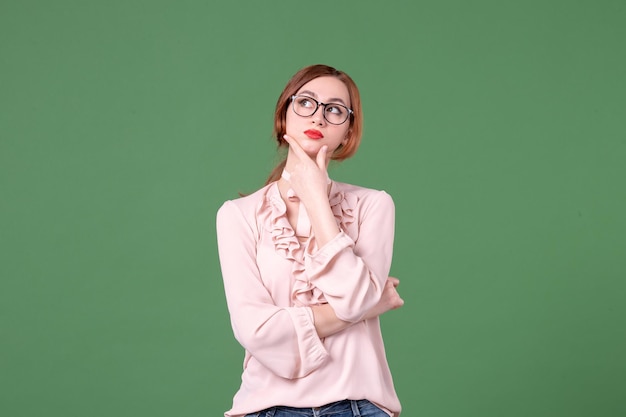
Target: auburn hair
296,82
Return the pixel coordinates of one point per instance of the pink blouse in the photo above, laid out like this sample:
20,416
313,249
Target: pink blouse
271,279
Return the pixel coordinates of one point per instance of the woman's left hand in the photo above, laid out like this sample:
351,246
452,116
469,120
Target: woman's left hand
389,300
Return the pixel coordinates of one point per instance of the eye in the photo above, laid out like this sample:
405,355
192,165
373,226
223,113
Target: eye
335,109
305,102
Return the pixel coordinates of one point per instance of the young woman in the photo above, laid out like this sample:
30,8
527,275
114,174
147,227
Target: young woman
305,262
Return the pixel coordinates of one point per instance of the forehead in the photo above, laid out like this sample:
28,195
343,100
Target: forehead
327,89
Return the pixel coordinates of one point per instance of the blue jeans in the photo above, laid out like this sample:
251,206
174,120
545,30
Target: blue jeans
345,408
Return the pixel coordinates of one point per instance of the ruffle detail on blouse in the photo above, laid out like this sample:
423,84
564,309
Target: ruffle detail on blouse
343,205
286,243
283,235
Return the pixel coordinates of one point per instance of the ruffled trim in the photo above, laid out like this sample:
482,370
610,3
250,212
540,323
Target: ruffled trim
342,204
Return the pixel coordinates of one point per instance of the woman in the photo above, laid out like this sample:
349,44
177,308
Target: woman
305,262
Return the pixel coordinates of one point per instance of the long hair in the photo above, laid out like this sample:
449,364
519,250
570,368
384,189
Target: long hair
300,78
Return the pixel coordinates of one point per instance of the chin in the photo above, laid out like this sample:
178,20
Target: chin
310,145
313,149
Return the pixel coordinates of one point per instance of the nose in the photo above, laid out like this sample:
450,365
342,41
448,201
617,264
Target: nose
318,116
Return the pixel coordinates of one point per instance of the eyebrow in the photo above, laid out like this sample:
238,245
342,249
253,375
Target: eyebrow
330,100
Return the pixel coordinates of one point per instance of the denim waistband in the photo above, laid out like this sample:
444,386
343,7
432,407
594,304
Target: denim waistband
344,408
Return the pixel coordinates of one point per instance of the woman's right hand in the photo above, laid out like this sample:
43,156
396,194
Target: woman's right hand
389,300
308,176
309,180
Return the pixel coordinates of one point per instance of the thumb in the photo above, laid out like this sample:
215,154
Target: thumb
321,158
395,281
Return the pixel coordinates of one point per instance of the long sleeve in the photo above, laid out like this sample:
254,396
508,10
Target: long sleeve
283,339
352,274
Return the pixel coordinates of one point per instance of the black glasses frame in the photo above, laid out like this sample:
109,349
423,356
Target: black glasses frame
317,105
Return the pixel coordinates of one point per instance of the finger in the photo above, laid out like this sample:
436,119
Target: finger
297,149
394,280
321,158
396,298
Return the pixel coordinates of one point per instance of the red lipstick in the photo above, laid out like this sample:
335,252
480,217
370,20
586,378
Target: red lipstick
313,134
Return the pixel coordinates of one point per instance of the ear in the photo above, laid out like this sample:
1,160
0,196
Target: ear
346,138
281,141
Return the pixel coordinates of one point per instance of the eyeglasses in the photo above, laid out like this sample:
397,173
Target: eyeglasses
334,113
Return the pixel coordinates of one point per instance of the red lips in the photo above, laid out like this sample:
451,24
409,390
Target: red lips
313,134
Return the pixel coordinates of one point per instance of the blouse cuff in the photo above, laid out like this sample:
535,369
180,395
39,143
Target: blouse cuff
312,352
317,261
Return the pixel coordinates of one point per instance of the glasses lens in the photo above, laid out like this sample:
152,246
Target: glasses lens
336,113
304,106
333,113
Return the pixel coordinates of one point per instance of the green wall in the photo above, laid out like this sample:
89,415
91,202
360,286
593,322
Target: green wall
497,126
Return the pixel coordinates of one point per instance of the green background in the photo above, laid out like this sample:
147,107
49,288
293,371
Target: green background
497,126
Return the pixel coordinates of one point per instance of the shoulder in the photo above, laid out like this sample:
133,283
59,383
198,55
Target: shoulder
245,207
